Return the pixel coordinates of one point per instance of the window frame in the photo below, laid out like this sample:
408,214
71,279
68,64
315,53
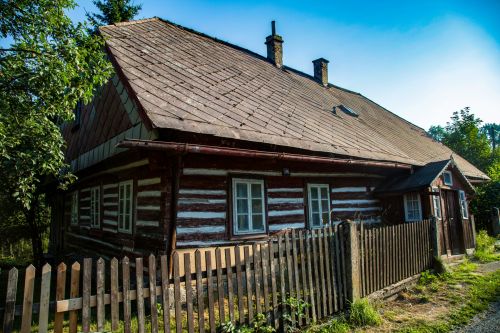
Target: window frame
436,199
450,183
309,203
464,207
405,199
234,207
131,213
95,204
74,216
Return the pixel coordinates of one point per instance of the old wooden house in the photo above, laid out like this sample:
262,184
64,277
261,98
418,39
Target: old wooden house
196,142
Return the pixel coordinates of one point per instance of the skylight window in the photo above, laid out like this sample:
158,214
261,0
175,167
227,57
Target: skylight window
346,110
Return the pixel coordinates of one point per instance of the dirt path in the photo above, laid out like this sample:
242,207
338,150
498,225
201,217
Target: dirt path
486,322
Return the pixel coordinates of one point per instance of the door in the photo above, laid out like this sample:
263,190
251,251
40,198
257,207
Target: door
452,221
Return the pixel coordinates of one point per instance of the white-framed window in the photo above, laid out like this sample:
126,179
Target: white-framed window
463,205
74,208
447,179
95,207
413,207
436,201
319,204
125,207
248,206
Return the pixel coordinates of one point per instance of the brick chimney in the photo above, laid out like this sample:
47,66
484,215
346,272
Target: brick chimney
321,71
275,47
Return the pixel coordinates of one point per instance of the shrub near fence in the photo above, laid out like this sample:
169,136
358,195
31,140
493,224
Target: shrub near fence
314,266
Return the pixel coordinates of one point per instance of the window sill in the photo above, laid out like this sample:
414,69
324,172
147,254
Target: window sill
249,236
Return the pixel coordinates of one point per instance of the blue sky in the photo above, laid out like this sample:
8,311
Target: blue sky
420,59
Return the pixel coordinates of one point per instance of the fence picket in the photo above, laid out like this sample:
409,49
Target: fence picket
74,293
139,287
321,262
239,285
309,258
126,294
295,258
189,292
281,263
10,300
210,292
60,291
303,271
115,305
340,280
229,274
152,293
220,285
265,277
328,277
272,267
317,283
177,293
165,292
100,294
257,277
87,278
199,291
248,278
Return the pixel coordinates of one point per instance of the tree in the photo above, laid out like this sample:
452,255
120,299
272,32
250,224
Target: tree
113,11
464,136
493,132
49,66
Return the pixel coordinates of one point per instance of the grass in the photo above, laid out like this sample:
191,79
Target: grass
485,249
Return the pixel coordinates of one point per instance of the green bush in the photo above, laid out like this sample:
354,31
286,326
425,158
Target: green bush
426,278
485,248
362,313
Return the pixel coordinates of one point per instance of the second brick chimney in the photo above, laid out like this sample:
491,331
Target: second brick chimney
274,44
321,71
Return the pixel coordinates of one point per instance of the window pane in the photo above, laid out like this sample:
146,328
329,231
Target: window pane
241,190
242,206
315,219
324,206
325,217
314,206
314,192
242,222
257,206
256,190
258,222
324,193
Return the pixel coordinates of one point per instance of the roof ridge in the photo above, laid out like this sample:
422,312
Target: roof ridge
125,23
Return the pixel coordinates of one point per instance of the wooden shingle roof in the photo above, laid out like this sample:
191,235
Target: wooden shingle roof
188,81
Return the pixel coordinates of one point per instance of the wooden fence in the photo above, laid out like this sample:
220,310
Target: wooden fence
393,253
199,291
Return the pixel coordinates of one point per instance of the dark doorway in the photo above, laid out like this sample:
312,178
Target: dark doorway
452,222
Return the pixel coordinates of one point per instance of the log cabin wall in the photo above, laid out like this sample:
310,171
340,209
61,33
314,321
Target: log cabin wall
204,211
151,211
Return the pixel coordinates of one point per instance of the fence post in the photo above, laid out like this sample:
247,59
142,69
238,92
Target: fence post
436,244
473,227
353,261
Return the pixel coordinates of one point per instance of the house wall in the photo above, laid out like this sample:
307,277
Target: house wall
204,211
152,197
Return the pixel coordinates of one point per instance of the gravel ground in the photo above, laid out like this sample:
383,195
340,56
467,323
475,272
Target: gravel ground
486,322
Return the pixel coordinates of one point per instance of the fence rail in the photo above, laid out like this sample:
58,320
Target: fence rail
200,290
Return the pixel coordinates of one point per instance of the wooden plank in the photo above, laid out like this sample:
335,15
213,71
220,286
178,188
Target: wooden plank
139,278
281,263
220,285
60,293
274,292
210,291
100,294
289,270
303,271
10,301
309,260
340,280
73,293
115,305
126,294
295,264
165,292
230,292
322,262
177,292
239,285
362,257
189,292
199,291
328,277
43,314
87,278
152,293
378,262
316,273
257,277
343,257
248,278
265,278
